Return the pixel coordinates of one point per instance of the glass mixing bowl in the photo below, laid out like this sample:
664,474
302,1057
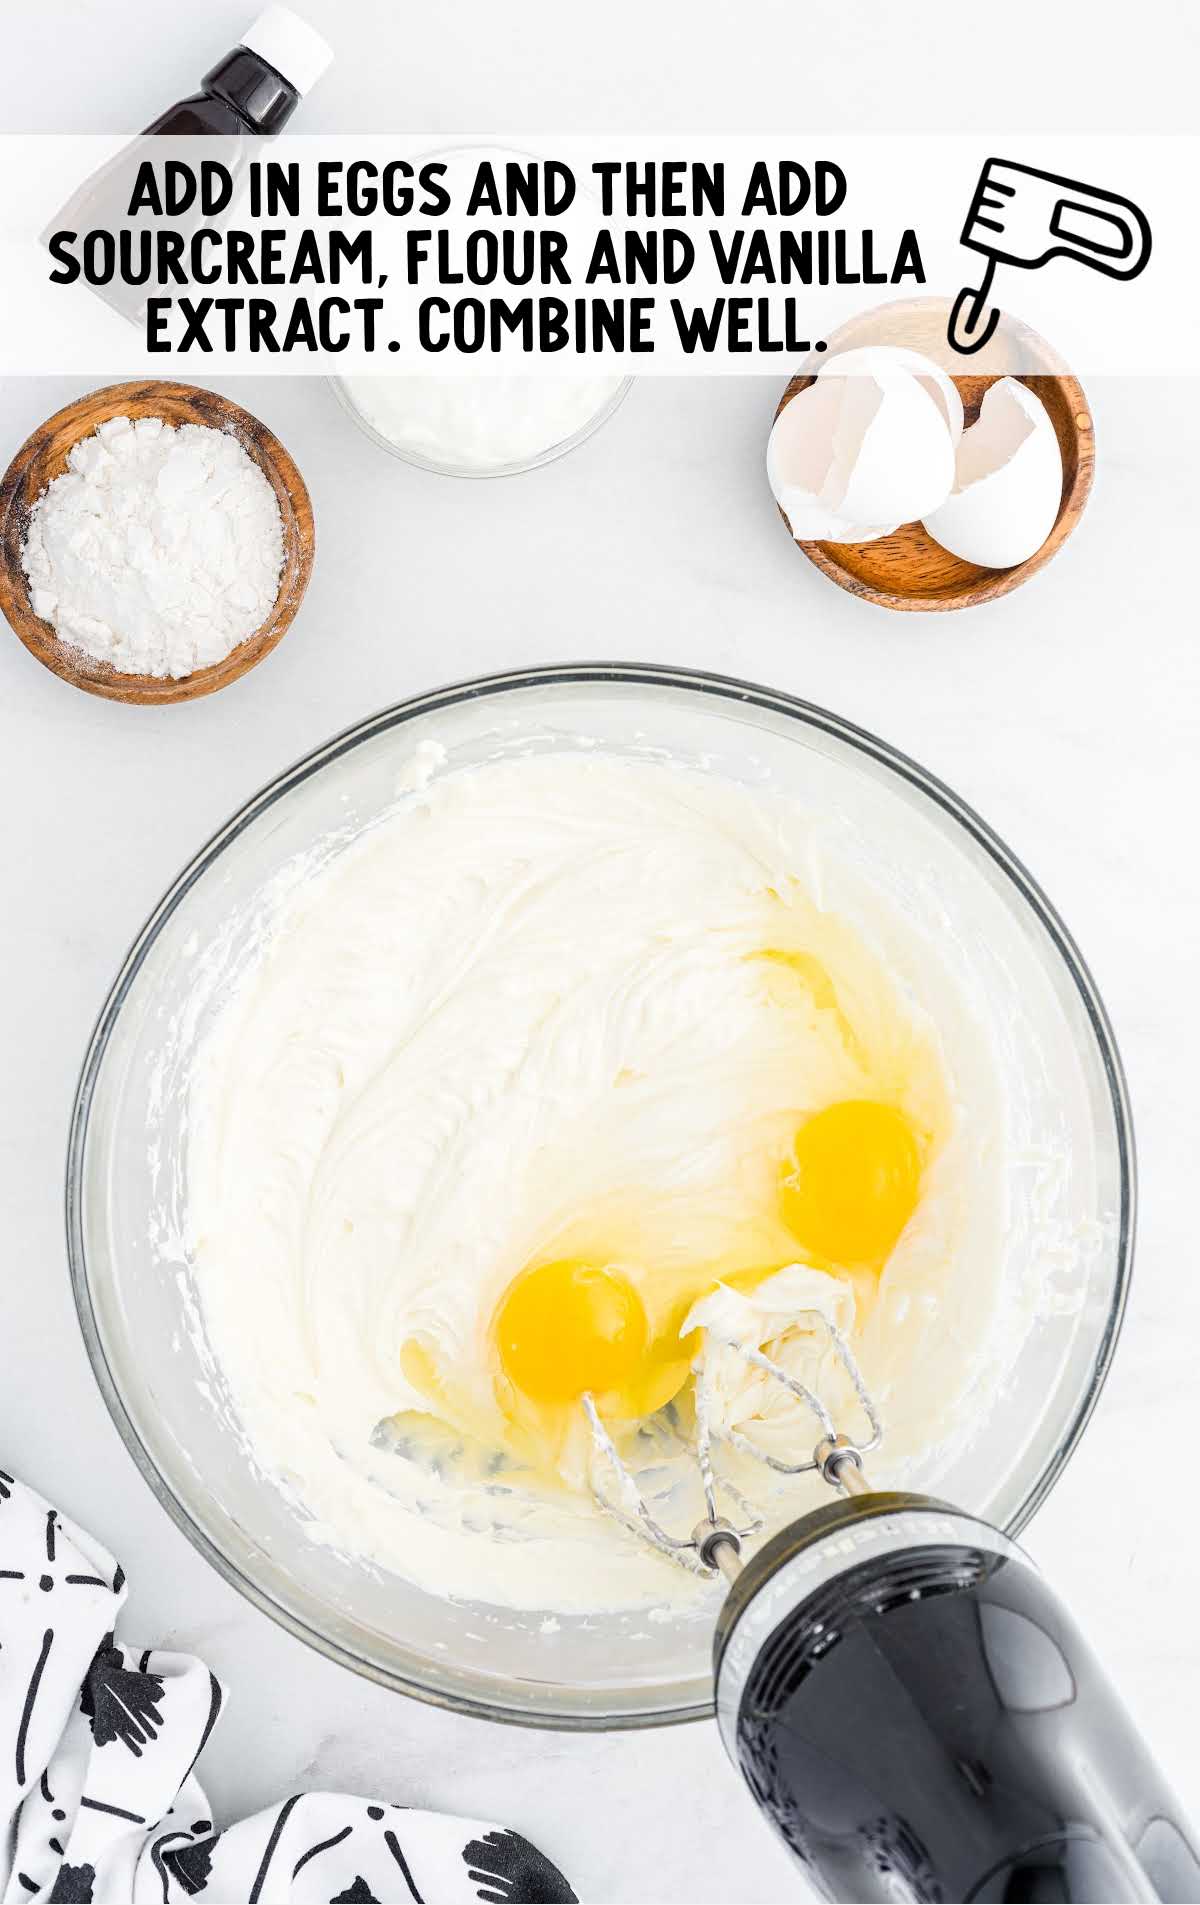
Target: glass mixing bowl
909,835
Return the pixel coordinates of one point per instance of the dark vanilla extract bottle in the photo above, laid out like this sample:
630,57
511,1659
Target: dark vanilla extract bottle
251,93
257,86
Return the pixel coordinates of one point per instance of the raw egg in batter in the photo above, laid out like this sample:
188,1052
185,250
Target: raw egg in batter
566,1328
569,1328
852,1183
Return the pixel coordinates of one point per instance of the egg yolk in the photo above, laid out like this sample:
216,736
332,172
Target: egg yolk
852,1182
568,1328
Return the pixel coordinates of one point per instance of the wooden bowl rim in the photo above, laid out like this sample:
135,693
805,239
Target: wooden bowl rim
998,582
101,678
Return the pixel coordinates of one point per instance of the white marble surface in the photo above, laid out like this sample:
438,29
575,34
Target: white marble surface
1066,714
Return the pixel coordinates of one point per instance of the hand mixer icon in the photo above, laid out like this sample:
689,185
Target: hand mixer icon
1020,216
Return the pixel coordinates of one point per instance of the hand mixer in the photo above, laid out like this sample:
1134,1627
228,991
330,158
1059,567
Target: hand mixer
1020,216
913,1710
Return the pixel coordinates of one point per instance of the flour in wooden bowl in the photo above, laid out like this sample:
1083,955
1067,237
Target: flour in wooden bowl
158,550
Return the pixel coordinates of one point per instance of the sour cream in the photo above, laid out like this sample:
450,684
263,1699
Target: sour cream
480,425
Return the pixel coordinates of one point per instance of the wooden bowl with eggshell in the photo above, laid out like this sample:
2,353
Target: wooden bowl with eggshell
43,456
908,569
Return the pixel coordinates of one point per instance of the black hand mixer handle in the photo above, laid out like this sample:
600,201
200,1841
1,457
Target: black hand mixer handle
919,1718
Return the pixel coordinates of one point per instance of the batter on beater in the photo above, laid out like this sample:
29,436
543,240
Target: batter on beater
559,1066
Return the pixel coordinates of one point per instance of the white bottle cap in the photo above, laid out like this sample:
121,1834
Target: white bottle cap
290,45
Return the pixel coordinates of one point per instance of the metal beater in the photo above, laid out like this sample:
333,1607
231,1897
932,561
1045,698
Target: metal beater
716,1542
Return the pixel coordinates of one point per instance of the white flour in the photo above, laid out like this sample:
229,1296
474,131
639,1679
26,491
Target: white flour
158,550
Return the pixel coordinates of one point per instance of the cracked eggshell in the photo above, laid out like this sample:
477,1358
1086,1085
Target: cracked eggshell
893,456
873,358
865,447
799,453
1007,483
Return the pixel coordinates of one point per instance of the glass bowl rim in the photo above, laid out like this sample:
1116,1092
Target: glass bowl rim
621,674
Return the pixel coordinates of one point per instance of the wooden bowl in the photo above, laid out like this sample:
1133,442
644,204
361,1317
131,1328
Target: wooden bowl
908,569
43,456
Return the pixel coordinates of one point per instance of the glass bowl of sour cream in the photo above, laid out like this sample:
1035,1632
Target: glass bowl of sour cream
480,426
500,1613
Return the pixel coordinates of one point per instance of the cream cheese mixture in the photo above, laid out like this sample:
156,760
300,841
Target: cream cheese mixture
566,1011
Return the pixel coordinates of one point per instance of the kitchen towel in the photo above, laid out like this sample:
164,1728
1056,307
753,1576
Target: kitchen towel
97,1746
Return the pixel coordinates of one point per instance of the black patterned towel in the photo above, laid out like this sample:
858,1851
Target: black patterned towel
97,1746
